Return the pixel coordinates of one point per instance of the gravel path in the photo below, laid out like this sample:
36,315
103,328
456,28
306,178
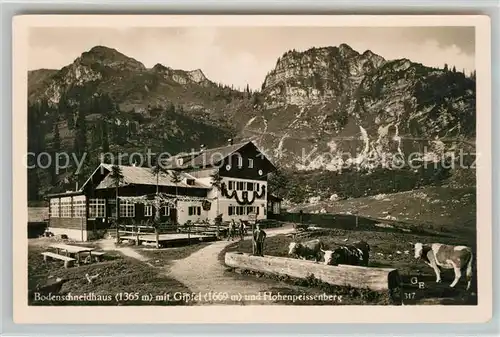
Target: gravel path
205,276
203,273
109,244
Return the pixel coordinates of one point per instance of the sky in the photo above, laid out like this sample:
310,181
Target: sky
244,55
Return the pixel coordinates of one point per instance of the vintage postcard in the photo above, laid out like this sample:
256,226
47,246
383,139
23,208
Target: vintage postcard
213,169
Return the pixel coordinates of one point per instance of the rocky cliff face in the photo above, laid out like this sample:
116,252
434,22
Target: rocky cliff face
322,109
317,76
332,107
182,77
91,67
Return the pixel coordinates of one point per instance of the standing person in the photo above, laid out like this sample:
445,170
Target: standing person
218,223
242,230
258,240
230,231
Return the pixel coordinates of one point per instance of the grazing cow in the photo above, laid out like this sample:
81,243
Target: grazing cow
356,254
305,250
439,255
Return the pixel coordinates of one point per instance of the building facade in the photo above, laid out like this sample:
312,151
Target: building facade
230,181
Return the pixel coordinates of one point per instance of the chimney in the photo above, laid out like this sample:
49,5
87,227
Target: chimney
230,141
202,147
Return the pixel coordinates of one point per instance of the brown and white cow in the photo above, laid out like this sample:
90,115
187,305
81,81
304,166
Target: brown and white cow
439,255
306,250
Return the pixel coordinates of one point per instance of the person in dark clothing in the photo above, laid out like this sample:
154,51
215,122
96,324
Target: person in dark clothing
258,240
218,223
230,232
242,230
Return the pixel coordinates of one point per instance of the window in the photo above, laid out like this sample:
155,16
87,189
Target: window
240,161
148,210
127,209
97,208
165,211
112,207
250,163
242,210
231,184
236,210
249,186
66,208
194,210
239,186
54,208
79,208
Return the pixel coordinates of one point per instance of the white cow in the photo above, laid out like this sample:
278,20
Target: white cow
448,257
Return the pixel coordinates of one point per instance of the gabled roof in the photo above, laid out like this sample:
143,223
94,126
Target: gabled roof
135,175
207,157
65,194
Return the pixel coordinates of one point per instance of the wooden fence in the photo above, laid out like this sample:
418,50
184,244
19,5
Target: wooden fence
149,233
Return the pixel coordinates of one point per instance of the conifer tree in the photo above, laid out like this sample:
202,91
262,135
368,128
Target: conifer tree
117,177
56,147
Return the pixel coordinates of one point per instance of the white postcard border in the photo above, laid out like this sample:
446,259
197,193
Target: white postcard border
250,314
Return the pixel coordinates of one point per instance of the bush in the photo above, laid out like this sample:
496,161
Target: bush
97,235
353,184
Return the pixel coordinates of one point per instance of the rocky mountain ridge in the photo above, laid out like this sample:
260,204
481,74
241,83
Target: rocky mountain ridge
338,102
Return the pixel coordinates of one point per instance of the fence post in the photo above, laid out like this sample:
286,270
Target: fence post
253,239
189,233
117,233
157,235
137,235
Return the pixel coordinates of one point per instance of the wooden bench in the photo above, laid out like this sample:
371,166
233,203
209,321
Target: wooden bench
67,260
